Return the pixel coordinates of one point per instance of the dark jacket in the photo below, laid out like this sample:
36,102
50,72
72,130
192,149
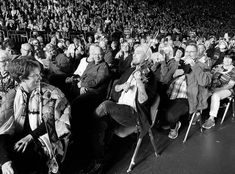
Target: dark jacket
95,77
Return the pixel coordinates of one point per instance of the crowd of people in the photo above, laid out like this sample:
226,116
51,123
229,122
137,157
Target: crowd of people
85,89
137,17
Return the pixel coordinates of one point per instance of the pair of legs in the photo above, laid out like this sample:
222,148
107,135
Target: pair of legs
178,108
108,116
214,107
114,115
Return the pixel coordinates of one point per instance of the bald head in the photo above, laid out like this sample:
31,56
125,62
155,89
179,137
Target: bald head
26,49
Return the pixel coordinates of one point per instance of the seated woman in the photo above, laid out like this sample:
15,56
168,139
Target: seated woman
222,87
34,123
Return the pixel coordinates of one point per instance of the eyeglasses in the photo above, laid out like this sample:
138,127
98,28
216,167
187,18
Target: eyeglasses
36,75
190,51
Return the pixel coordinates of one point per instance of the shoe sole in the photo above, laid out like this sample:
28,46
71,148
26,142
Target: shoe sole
177,132
208,127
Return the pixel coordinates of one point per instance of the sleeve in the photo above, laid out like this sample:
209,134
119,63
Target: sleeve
233,74
203,76
167,72
94,81
109,58
41,130
62,116
151,88
4,152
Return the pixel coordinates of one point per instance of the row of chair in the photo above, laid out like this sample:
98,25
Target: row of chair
230,101
124,132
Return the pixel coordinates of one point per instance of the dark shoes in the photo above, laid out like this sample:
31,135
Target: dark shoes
96,167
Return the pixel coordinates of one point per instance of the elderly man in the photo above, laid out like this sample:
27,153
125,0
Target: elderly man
26,50
135,90
93,86
187,91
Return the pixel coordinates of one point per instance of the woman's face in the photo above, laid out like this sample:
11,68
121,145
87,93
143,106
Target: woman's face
125,47
178,53
33,79
227,61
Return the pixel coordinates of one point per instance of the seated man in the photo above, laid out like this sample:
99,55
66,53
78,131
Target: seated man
223,81
187,91
74,79
93,86
135,91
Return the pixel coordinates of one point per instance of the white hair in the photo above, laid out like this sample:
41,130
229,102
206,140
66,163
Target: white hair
4,55
146,49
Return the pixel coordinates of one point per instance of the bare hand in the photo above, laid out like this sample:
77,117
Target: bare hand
126,86
79,84
7,168
23,143
83,90
69,80
189,61
178,72
137,75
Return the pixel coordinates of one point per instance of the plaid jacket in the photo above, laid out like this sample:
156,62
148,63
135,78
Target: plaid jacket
178,88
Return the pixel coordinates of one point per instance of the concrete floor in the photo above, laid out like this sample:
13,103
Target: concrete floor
209,152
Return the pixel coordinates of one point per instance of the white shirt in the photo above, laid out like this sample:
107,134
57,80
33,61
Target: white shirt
71,49
128,98
81,67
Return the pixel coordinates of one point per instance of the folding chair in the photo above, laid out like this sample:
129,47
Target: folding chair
231,100
125,131
190,124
